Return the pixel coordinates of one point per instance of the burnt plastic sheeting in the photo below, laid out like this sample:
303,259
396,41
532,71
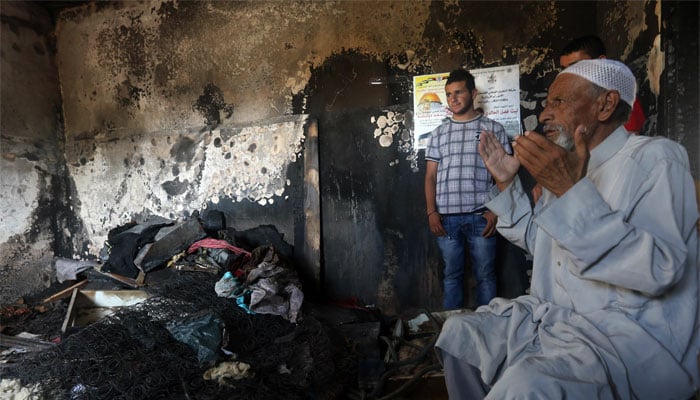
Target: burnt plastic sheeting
175,241
124,248
213,221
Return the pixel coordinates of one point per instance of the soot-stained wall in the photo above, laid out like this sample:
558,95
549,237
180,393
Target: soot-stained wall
680,81
172,107
35,217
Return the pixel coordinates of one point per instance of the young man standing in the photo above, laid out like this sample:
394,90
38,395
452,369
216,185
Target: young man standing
457,185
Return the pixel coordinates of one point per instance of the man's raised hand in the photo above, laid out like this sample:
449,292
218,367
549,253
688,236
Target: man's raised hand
553,167
500,164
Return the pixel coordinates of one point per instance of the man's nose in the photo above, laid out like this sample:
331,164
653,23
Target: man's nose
545,115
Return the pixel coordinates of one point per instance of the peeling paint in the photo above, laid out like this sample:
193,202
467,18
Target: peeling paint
197,171
536,58
633,12
396,127
528,105
655,66
530,122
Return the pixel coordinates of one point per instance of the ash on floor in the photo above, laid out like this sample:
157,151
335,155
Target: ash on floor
132,354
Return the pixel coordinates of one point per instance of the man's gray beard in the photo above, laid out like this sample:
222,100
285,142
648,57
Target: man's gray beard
564,140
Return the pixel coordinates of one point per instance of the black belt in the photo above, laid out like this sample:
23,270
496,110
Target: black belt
475,212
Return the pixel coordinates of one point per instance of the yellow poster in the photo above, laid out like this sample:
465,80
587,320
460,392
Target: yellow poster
498,97
429,105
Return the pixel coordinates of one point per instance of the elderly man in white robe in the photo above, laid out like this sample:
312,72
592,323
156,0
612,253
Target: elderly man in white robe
613,306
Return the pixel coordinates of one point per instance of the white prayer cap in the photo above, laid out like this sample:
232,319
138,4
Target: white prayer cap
608,74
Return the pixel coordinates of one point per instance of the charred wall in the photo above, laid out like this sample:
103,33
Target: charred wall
680,82
35,196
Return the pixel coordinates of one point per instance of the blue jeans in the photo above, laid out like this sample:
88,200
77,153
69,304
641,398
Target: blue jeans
462,230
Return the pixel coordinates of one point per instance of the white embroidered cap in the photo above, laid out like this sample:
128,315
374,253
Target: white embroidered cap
608,74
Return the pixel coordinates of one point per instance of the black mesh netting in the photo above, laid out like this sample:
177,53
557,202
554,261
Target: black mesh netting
132,355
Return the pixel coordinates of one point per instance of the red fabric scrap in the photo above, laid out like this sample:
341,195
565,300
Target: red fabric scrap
637,118
210,243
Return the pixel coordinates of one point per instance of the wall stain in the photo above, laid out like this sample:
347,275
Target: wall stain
175,187
210,104
128,95
122,48
183,150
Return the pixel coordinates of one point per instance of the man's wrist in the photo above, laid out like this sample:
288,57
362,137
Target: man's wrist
432,212
503,185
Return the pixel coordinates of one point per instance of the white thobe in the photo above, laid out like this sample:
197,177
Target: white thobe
613,305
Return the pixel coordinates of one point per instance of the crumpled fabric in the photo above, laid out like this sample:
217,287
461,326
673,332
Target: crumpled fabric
267,254
228,370
268,297
275,290
220,253
68,269
12,389
264,270
270,287
229,286
241,302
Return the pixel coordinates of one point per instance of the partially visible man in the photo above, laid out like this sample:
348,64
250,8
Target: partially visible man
457,185
613,309
592,47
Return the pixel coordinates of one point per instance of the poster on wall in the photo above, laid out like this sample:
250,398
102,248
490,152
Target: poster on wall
498,96
429,106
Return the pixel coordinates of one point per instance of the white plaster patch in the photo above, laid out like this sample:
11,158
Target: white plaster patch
528,105
635,23
410,56
655,66
530,122
390,127
386,140
19,196
298,82
386,126
250,164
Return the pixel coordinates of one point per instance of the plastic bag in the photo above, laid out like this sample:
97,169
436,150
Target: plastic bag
202,332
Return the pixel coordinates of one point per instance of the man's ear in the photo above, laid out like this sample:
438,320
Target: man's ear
607,103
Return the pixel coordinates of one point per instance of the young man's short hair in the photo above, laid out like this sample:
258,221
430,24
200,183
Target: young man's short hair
462,75
591,45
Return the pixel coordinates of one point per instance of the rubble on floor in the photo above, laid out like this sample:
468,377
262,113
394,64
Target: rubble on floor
133,355
223,317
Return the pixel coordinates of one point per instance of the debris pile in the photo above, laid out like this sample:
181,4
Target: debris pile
222,316
132,354
185,341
